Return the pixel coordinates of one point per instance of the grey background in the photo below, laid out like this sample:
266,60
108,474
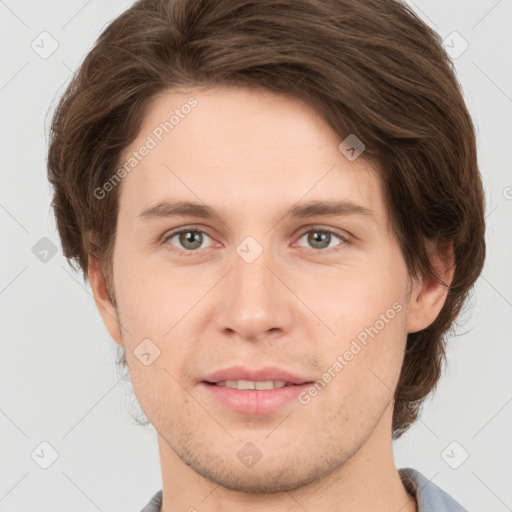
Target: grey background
59,383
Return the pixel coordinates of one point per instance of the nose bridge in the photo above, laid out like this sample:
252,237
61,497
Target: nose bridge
252,279
255,297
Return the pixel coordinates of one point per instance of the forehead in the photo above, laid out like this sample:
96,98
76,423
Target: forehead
241,148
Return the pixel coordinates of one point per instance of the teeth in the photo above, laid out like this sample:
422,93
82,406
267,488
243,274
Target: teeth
250,384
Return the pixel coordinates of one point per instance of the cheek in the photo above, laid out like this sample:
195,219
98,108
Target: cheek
371,342
370,299
368,314
362,373
150,302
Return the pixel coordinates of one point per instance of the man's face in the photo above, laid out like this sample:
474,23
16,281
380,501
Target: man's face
258,287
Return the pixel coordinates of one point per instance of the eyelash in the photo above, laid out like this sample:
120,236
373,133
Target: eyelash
194,229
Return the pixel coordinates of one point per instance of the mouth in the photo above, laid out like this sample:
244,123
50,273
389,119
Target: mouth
253,390
253,397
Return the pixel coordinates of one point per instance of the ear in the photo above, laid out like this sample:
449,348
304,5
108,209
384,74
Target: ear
428,295
103,300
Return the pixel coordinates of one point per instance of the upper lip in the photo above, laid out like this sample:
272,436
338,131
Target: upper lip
255,374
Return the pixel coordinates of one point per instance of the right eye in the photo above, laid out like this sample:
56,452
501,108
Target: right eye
190,240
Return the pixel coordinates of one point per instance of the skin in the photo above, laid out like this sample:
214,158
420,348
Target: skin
252,155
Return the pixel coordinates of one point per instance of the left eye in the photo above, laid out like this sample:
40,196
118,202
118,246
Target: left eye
318,238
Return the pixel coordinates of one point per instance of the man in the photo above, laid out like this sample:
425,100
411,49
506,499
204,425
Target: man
278,207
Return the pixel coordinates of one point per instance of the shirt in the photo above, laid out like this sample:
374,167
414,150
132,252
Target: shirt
429,497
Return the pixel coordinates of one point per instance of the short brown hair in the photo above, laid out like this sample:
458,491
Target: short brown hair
372,69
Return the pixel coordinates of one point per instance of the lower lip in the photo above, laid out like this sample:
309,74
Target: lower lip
251,401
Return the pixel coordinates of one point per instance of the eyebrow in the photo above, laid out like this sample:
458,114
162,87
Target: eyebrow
165,209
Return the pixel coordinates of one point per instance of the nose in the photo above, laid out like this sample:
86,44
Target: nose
255,302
